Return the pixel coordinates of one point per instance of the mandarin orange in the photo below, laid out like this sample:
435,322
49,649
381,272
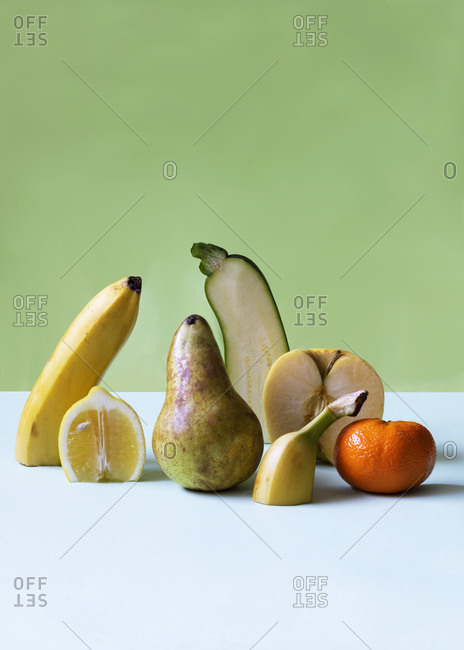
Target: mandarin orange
384,457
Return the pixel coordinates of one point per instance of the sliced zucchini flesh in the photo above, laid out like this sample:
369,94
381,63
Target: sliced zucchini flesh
254,336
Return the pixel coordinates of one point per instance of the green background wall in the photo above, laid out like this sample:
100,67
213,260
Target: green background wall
309,168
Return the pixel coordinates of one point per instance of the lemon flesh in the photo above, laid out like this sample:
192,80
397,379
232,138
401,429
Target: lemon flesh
101,439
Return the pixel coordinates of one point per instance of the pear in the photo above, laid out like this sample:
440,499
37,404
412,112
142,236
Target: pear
206,436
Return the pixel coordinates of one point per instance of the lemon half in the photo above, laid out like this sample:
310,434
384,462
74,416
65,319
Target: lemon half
101,439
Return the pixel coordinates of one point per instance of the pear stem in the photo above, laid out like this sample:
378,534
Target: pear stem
347,405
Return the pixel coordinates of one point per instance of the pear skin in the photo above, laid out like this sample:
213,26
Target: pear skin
206,436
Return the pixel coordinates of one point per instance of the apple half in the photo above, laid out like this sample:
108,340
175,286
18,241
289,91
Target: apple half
302,382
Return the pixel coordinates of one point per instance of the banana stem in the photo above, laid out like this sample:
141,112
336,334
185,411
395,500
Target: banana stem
348,405
314,429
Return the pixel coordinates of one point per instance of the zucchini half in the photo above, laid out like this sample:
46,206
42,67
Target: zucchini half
254,336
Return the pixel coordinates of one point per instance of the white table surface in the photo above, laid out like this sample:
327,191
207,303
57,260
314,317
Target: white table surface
151,565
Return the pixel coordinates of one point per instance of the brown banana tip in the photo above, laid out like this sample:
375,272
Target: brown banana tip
134,282
191,320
